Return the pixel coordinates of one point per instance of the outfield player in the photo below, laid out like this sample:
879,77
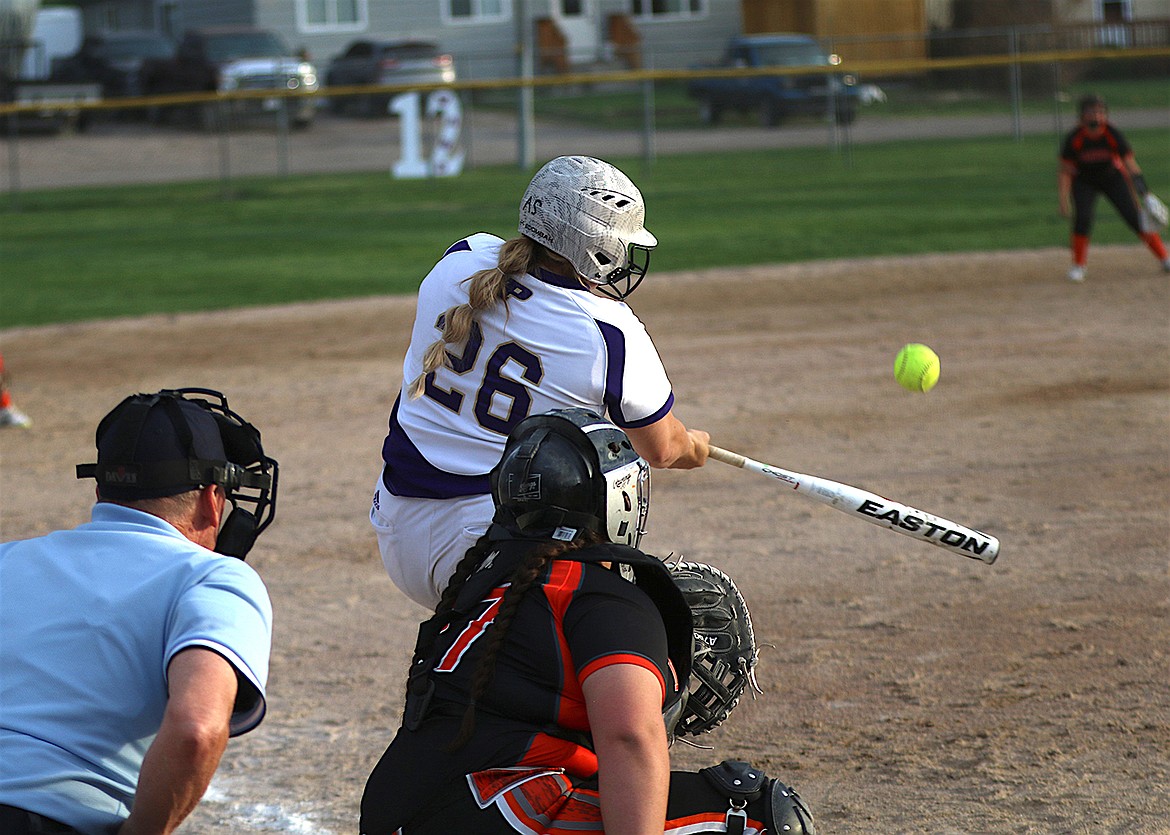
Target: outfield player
129,650
543,689
507,329
1097,159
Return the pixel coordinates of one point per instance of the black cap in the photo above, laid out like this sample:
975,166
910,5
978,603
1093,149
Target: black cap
1090,100
155,445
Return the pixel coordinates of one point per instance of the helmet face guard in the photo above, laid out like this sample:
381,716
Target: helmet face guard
571,471
251,485
625,280
249,478
627,492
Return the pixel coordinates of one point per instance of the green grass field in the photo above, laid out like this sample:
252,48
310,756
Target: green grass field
80,254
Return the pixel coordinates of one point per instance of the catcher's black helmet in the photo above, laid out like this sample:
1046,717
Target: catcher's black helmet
571,471
155,445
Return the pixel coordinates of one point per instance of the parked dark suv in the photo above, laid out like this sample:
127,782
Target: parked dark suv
385,62
114,60
231,58
776,97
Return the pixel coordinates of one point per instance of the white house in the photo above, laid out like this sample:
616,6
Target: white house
482,35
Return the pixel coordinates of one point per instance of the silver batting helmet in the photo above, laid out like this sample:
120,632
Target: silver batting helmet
589,212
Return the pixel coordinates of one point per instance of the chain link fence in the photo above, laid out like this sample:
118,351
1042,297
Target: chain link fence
975,83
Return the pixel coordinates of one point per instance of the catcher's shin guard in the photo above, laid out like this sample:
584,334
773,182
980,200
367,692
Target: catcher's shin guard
783,809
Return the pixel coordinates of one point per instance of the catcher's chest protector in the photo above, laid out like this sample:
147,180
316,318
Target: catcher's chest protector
650,575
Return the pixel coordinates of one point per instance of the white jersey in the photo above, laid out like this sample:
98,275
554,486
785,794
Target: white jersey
553,345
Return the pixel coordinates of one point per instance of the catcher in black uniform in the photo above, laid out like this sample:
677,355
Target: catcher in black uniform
545,690
1097,159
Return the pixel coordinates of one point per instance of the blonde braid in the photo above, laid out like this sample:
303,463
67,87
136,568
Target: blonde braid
485,289
527,572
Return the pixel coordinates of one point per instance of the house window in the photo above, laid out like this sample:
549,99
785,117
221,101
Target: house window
657,9
476,11
332,15
1116,11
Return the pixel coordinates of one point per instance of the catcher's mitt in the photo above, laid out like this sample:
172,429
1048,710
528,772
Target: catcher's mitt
725,651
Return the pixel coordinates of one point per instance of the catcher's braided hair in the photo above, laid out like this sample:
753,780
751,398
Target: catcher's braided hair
463,571
522,579
444,609
485,289
526,573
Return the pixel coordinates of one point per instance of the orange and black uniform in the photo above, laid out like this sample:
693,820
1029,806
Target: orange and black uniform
1099,170
529,765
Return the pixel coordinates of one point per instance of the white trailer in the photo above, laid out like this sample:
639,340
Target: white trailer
30,40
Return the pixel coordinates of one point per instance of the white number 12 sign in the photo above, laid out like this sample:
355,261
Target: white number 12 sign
446,158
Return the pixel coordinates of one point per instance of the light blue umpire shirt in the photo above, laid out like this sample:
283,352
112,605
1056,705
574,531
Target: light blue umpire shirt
89,620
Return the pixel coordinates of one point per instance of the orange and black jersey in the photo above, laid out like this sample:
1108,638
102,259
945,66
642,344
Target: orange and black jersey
577,618
1096,158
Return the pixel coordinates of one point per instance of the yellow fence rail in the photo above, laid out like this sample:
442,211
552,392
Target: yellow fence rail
870,68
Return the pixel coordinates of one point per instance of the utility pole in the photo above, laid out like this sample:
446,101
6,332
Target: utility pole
525,108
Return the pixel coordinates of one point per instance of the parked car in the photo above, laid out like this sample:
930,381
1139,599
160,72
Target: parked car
230,58
385,62
777,97
115,60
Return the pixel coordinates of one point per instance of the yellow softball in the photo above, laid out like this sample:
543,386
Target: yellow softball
917,367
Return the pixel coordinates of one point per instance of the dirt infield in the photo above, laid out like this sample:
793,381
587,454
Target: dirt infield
906,689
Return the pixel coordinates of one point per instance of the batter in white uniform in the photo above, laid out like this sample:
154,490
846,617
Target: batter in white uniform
505,329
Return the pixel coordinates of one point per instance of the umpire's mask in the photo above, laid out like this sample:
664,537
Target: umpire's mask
175,440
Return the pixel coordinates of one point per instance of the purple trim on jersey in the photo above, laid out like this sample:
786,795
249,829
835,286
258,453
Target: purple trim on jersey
615,345
558,280
408,473
458,246
649,419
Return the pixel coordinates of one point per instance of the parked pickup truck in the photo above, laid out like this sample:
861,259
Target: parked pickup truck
230,58
777,97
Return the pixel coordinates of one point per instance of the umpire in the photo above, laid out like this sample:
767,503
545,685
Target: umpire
129,649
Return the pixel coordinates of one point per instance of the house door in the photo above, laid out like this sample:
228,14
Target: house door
1114,15
577,20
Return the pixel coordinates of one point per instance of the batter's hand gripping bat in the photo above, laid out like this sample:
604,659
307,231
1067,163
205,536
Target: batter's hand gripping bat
875,509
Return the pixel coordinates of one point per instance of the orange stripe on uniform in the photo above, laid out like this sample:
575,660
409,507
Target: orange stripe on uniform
623,658
564,579
550,751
